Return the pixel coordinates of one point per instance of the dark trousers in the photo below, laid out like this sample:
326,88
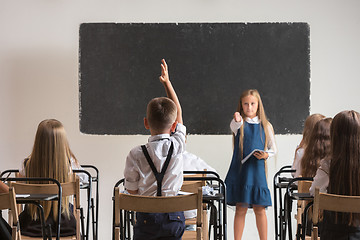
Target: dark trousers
151,226
5,230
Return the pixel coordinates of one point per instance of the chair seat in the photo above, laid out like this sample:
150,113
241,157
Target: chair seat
193,234
190,221
189,235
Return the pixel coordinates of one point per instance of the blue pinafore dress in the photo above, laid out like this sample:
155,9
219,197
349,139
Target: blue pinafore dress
246,183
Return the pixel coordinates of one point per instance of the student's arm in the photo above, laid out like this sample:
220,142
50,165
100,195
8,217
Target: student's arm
236,122
270,148
297,162
84,179
131,173
170,92
321,179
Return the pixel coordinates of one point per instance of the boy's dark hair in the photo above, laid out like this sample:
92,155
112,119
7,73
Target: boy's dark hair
161,113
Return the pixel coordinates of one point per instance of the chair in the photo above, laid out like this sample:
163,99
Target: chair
192,187
280,182
303,187
332,202
7,201
94,201
150,204
216,202
67,189
293,193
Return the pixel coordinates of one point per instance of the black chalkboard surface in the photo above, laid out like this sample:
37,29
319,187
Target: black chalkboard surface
210,64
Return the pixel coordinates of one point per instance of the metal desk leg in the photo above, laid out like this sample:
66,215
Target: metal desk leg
288,211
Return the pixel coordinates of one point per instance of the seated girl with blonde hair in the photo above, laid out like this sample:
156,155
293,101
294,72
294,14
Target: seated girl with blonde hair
50,158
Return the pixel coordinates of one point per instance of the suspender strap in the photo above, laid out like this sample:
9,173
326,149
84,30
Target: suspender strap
159,176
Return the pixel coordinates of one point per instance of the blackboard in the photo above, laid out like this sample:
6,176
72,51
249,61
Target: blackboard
210,64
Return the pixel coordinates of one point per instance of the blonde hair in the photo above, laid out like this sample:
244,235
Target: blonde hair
264,123
50,158
161,113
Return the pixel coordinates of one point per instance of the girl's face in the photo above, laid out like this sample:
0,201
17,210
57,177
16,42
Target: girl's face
250,106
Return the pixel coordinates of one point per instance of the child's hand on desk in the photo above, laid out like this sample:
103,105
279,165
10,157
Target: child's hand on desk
164,72
261,155
237,117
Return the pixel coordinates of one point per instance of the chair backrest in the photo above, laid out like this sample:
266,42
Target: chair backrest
71,188
332,202
150,204
192,186
8,201
336,203
304,186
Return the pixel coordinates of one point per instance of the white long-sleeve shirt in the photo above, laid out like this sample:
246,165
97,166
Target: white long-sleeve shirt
297,162
271,147
321,179
195,163
138,173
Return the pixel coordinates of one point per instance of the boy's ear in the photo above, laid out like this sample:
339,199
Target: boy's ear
146,124
173,126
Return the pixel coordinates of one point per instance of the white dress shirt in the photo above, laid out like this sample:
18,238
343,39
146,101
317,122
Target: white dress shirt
195,163
138,173
271,147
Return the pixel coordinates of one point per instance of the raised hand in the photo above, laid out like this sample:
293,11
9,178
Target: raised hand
164,72
170,92
237,117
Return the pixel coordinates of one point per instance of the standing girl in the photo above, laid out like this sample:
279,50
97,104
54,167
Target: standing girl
246,182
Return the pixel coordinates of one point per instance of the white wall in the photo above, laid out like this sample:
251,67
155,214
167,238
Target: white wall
39,74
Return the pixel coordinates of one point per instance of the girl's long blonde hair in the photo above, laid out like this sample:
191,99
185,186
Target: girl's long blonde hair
50,159
264,123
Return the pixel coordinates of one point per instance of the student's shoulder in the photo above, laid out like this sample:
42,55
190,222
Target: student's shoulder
300,151
135,150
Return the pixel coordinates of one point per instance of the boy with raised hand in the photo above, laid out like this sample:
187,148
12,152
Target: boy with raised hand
156,168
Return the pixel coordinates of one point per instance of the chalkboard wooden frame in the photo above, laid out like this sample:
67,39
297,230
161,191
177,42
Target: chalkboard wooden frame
210,64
